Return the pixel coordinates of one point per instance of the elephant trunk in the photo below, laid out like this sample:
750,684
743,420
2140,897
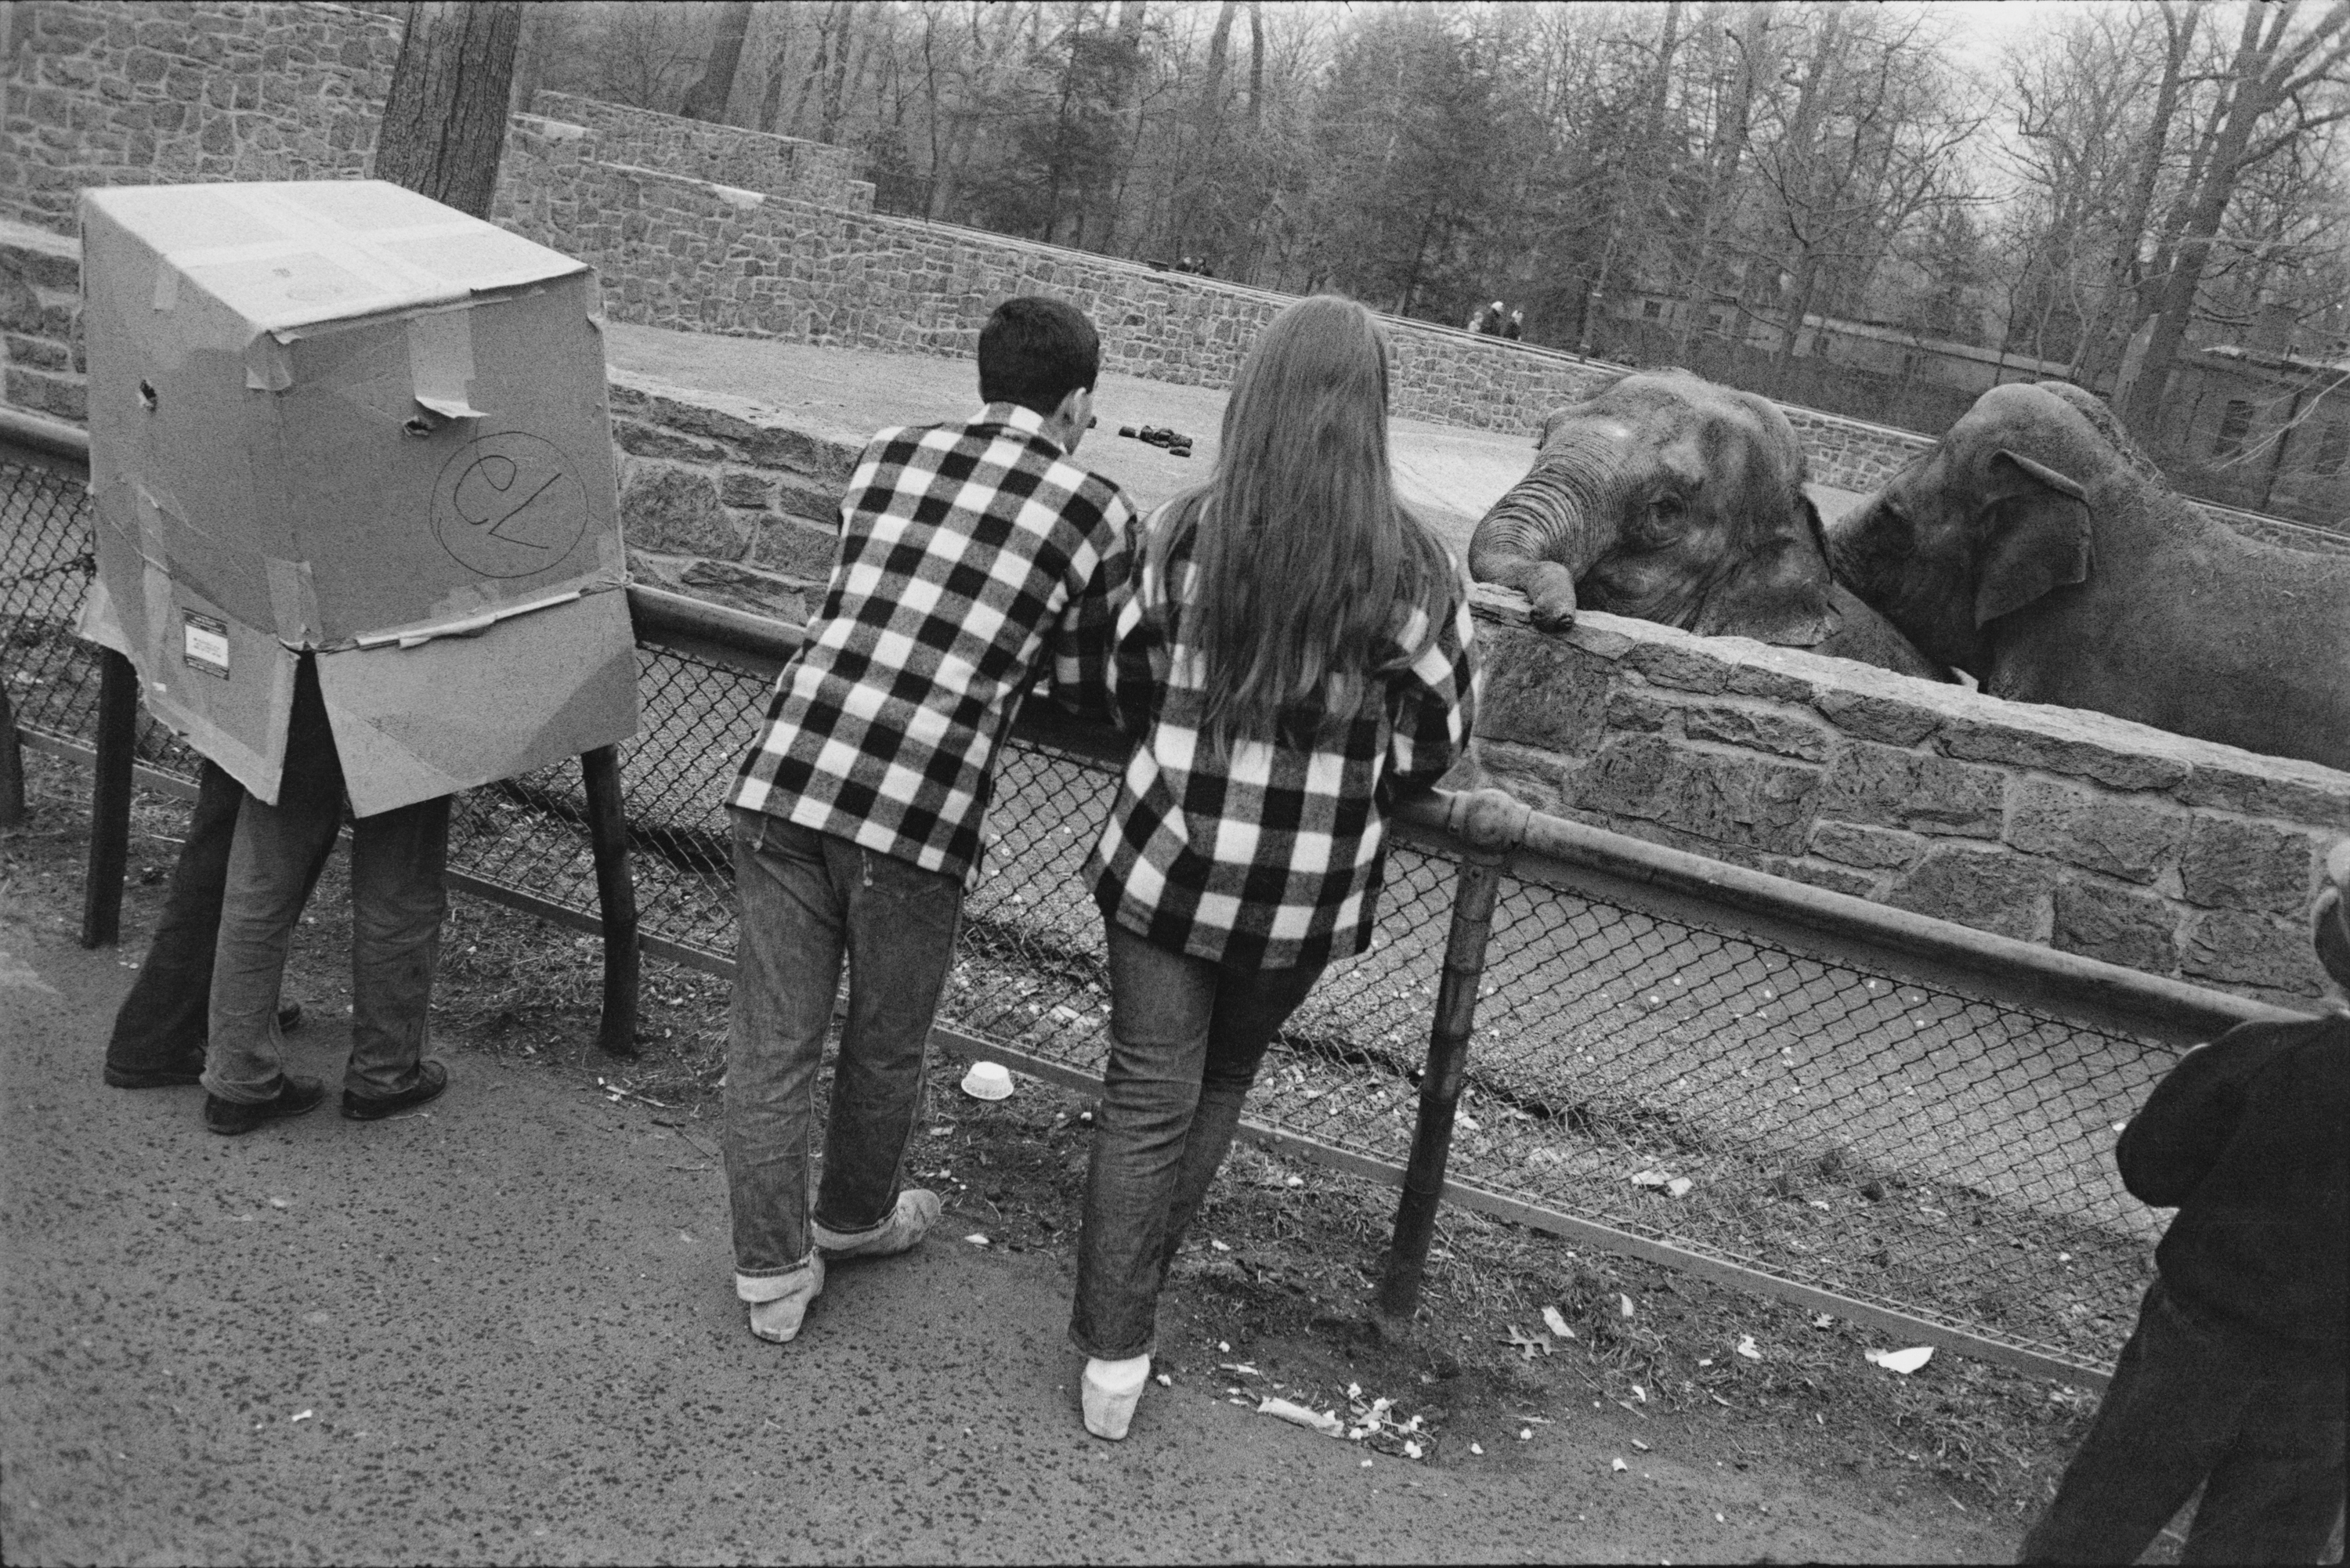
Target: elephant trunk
1552,526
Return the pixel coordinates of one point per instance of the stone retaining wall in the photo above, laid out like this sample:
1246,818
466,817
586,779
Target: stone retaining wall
2087,833
104,93
725,154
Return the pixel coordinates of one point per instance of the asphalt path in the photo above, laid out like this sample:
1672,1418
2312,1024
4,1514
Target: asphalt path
502,1329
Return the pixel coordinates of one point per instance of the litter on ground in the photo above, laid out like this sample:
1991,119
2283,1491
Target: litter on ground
1905,1361
1329,1426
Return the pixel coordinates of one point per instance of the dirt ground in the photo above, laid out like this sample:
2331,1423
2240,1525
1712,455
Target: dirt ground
1649,1433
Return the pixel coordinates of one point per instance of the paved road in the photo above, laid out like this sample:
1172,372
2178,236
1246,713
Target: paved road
503,1331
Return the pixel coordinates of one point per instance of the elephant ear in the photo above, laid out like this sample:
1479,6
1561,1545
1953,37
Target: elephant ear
2036,539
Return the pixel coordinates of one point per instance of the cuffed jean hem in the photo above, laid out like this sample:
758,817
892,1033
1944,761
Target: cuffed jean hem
1078,1342
772,1286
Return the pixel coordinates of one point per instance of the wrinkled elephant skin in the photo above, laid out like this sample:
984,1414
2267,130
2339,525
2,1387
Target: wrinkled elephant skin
1668,498
2036,549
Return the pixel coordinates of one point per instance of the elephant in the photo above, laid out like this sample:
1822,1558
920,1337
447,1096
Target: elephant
2036,549
1668,498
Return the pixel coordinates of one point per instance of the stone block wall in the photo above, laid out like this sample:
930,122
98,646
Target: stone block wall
721,499
2089,833
99,92
40,316
725,155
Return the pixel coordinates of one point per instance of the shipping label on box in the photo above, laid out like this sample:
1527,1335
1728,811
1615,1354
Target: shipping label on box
338,418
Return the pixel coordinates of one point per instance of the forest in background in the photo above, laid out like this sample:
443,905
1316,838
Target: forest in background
2108,190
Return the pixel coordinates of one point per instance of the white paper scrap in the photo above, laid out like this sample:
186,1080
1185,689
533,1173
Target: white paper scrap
1905,1361
1329,1426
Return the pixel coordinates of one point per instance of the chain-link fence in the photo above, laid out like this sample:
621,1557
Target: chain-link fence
1672,1079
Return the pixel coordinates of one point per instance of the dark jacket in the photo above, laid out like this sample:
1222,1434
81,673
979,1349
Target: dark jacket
2246,1138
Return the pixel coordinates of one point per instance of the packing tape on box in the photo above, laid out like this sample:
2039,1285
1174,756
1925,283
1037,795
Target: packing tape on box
268,364
440,361
471,626
293,602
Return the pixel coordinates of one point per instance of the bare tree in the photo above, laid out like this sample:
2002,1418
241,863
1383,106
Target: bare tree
2286,82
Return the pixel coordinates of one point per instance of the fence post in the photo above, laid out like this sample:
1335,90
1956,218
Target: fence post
12,765
616,895
110,806
1492,823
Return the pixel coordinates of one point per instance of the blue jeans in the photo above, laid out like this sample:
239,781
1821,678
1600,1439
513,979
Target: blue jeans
2194,1403
1186,1038
807,899
397,905
162,1021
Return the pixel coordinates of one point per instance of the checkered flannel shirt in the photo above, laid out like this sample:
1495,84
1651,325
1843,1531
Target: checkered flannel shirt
1273,861
972,555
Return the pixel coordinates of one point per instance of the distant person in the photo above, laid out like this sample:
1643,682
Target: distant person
972,558
1490,323
398,902
2233,1378
1516,327
1294,659
159,1029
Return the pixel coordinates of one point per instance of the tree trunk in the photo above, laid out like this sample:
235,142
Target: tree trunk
1803,222
2101,345
836,86
444,123
1732,126
771,100
818,63
709,97
1256,64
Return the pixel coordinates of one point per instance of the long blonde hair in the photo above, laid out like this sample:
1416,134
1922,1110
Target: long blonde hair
1307,562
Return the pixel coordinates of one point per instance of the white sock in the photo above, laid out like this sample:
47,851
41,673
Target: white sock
1118,1376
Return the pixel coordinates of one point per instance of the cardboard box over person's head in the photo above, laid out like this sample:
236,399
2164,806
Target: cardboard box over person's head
339,418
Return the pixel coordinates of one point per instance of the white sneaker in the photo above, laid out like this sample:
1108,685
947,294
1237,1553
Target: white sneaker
918,1209
780,1302
1111,1390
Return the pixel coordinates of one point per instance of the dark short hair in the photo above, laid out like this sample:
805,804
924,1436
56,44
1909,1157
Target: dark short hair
1036,351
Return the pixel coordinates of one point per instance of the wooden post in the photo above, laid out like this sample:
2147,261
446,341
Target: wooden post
1492,824
615,893
110,807
1440,1085
12,765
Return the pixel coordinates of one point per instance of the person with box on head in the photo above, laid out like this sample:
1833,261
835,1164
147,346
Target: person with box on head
2233,1378
1294,658
357,529
972,558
